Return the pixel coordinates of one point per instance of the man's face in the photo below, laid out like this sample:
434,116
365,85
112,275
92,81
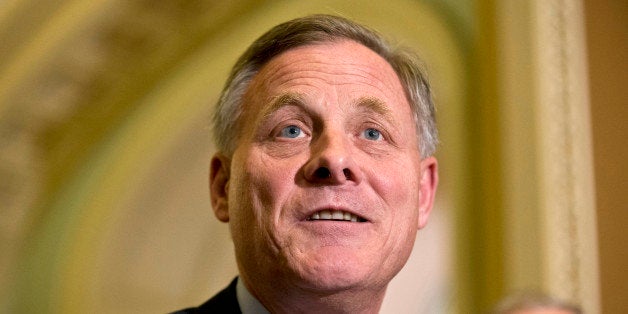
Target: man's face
326,188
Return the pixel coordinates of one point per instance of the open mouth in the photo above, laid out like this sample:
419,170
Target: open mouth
336,215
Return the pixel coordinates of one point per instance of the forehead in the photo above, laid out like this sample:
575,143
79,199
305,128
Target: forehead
342,67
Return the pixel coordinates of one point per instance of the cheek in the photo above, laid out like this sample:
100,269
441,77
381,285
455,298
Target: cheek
397,187
264,197
270,182
263,188
249,210
397,183
398,190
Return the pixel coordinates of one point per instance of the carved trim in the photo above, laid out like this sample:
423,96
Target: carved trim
569,251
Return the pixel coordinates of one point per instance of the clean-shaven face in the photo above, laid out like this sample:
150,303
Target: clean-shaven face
326,188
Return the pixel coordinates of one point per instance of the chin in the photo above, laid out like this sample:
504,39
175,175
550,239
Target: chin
332,282
332,272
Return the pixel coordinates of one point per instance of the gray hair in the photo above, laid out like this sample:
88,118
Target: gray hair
315,29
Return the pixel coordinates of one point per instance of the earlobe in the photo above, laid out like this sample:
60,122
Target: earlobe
219,174
427,189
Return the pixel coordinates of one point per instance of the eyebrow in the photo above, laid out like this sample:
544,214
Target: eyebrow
283,100
364,104
377,106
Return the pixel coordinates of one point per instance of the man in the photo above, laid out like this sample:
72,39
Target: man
324,169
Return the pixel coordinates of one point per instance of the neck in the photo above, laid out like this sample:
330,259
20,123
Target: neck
280,297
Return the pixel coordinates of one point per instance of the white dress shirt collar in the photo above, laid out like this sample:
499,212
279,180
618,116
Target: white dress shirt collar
248,303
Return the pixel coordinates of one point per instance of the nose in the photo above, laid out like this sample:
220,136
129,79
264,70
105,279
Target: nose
331,162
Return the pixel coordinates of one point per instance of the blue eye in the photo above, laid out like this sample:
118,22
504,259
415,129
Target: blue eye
291,131
372,134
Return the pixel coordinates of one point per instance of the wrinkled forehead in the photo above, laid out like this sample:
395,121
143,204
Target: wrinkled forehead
338,63
335,81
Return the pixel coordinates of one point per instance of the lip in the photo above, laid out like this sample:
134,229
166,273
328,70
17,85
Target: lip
309,213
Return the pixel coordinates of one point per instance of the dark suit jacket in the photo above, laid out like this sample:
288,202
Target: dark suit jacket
225,302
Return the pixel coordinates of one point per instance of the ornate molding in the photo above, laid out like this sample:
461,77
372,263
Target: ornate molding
567,204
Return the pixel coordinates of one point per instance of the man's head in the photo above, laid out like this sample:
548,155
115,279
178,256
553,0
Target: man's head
322,29
323,171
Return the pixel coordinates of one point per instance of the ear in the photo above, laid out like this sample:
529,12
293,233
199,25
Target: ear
219,173
427,189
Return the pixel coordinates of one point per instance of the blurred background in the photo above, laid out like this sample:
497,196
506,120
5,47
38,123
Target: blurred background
104,150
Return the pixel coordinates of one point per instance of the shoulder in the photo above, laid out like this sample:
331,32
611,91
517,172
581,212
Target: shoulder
225,302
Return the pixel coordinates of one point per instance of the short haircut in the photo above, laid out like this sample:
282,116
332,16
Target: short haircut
316,29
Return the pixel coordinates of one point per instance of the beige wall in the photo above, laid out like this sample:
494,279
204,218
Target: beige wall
607,39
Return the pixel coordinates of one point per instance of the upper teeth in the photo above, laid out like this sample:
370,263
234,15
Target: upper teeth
334,215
